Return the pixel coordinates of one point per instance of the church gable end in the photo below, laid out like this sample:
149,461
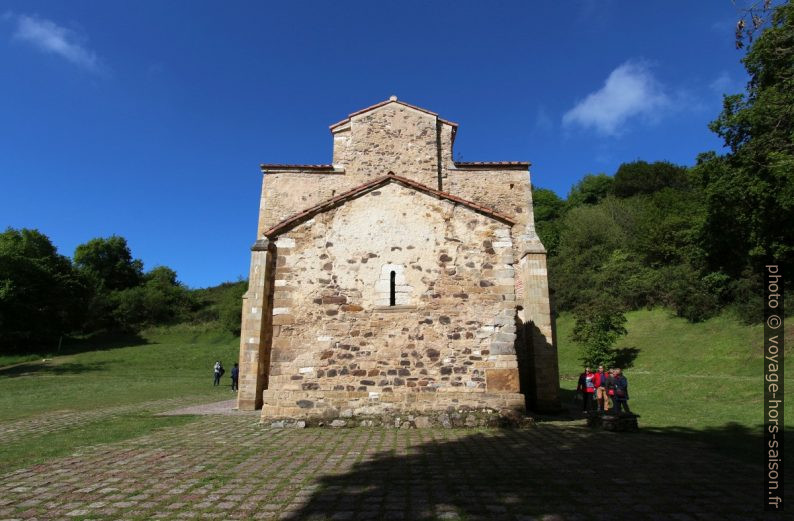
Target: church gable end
371,294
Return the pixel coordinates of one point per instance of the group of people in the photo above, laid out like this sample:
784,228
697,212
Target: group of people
218,371
601,387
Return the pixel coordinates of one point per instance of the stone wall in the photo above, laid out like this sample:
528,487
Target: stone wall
287,193
449,341
505,190
394,138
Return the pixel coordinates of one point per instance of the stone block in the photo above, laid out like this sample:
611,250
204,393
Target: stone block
504,380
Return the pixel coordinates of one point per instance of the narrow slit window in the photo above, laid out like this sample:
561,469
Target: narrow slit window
392,296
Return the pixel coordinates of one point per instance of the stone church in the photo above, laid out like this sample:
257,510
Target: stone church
396,279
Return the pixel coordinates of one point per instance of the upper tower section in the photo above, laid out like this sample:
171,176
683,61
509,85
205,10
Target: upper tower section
413,143
394,136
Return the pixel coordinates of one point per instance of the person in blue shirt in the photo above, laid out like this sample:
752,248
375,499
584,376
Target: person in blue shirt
235,376
621,396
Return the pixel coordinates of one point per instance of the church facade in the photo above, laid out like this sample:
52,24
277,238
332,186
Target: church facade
396,279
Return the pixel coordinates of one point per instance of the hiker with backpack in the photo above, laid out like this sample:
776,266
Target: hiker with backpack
217,373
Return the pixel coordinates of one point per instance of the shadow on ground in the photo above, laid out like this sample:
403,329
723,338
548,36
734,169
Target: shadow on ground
73,346
48,367
731,440
550,470
100,342
625,357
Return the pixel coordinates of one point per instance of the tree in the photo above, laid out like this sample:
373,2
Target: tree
750,190
640,177
590,234
230,307
548,209
40,294
590,190
108,263
597,328
161,299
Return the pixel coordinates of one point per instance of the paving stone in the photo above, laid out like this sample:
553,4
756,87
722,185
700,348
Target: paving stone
234,468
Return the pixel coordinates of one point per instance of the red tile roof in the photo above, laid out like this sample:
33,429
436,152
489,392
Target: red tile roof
280,166
350,194
479,164
395,100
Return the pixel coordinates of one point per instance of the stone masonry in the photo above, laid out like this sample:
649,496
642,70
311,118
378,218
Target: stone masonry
396,279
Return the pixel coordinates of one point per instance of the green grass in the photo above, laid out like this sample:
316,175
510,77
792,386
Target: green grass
163,363
701,380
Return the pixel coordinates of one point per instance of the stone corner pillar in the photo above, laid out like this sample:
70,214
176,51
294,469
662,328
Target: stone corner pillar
537,321
256,328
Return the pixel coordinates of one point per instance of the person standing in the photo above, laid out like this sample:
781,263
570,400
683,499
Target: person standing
621,397
610,386
217,373
235,376
600,381
587,388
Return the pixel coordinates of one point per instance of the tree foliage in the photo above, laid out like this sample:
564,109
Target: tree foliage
598,326
640,177
750,190
548,208
40,293
591,189
45,295
108,263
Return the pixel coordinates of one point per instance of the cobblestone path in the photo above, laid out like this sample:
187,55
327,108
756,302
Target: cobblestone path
222,467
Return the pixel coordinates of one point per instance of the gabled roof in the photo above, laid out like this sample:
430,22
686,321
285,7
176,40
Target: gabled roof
393,99
366,187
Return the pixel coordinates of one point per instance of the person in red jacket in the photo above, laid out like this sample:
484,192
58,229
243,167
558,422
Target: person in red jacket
587,388
600,382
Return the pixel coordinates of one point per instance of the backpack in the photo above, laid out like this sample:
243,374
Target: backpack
620,391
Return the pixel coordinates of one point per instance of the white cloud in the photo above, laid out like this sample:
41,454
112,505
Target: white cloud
543,123
49,37
725,84
629,92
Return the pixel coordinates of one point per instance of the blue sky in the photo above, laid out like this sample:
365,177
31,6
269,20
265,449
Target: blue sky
149,119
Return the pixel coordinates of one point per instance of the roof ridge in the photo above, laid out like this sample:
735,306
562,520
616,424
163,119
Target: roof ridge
392,99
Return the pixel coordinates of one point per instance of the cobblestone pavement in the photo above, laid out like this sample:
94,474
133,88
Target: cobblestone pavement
221,467
226,407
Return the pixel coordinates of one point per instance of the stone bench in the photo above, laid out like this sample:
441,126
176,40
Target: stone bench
623,422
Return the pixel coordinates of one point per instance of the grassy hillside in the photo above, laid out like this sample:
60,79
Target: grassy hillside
703,380
161,363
